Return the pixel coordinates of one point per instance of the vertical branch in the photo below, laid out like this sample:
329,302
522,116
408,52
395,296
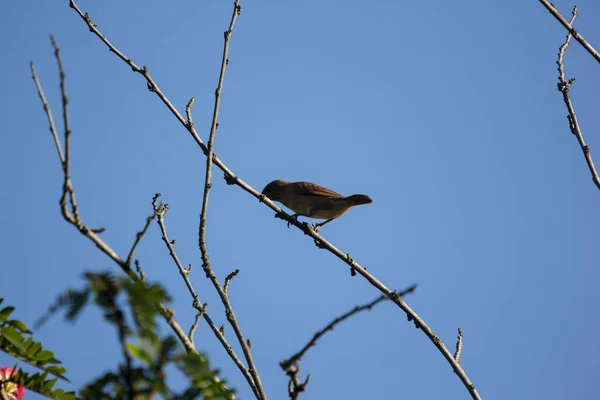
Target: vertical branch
213,129
207,186
564,86
68,190
65,102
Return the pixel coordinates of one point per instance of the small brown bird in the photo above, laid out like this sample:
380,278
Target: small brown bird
313,201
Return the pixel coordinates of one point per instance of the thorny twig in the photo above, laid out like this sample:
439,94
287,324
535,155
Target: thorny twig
232,178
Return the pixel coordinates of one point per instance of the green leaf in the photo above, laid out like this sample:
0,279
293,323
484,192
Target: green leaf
139,353
34,348
5,313
19,325
13,336
44,355
57,371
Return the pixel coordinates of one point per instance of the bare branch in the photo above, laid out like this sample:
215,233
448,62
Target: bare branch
160,211
140,271
295,386
188,112
233,179
138,238
550,7
196,321
564,86
52,126
260,392
73,217
286,364
228,279
459,344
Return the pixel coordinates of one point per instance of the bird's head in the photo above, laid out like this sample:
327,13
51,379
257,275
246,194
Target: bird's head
274,189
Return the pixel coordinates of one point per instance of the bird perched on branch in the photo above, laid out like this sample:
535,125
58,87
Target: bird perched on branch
313,201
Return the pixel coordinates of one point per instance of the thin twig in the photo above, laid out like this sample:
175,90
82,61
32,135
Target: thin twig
232,179
459,345
160,211
140,271
228,279
68,190
46,106
550,7
286,364
564,86
73,218
195,324
138,238
295,386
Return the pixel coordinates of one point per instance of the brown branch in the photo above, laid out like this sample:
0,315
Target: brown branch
233,179
568,26
564,86
459,345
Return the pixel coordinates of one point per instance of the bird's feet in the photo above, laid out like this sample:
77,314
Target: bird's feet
317,226
295,218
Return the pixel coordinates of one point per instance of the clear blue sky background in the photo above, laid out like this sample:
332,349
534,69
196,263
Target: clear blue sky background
445,113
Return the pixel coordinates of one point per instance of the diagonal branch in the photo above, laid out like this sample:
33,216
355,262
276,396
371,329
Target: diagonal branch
233,179
329,327
291,366
568,26
564,86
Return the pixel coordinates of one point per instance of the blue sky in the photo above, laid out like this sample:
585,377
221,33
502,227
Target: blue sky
445,113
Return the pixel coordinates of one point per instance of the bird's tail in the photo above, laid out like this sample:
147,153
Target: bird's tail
358,199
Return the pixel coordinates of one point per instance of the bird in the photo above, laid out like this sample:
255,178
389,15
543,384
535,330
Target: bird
311,200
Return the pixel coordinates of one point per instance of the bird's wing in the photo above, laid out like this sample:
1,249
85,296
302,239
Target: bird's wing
304,188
